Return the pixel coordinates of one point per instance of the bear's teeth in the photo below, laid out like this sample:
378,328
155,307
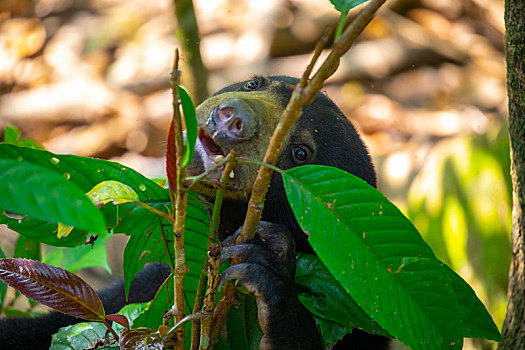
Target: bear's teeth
217,158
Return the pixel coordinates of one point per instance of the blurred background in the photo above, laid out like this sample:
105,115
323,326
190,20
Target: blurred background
424,84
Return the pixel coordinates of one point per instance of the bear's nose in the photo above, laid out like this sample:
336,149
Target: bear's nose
233,120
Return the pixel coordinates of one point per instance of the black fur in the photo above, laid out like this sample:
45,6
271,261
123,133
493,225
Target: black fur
268,268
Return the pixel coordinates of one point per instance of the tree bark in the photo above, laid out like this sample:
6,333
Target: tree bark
514,326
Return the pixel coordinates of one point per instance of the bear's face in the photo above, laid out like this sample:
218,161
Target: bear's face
243,117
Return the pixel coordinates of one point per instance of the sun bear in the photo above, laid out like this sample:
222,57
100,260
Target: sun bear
242,117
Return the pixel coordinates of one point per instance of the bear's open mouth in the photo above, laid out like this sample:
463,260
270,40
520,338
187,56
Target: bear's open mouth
210,154
212,149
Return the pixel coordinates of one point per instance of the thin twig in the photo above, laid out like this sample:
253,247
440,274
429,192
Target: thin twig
108,326
209,301
175,328
302,95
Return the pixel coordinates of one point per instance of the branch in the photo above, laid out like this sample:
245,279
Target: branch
179,196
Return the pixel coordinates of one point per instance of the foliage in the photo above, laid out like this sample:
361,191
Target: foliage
378,245
382,248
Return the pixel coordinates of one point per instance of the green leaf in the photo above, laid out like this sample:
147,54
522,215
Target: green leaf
152,241
324,296
475,319
191,125
27,248
111,191
83,335
153,316
381,260
12,136
242,324
331,332
131,312
85,173
46,195
346,5
105,192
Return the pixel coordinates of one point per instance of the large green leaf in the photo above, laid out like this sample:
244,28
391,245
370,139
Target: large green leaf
43,194
163,300
82,172
381,260
85,172
152,241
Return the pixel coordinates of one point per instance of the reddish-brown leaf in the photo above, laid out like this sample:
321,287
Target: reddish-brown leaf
52,286
140,338
171,160
120,319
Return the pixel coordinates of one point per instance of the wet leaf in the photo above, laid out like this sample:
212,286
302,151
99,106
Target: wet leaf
141,338
44,194
84,173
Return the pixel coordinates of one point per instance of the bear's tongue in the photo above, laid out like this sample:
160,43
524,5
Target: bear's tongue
211,153
211,147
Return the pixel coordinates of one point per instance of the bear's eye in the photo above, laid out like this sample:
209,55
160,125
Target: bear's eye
252,85
299,154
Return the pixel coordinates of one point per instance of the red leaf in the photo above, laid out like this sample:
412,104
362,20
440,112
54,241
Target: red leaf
120,319
52,286
171,160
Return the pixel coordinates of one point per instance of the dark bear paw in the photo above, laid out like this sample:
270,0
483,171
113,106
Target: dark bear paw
267,268
266,263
